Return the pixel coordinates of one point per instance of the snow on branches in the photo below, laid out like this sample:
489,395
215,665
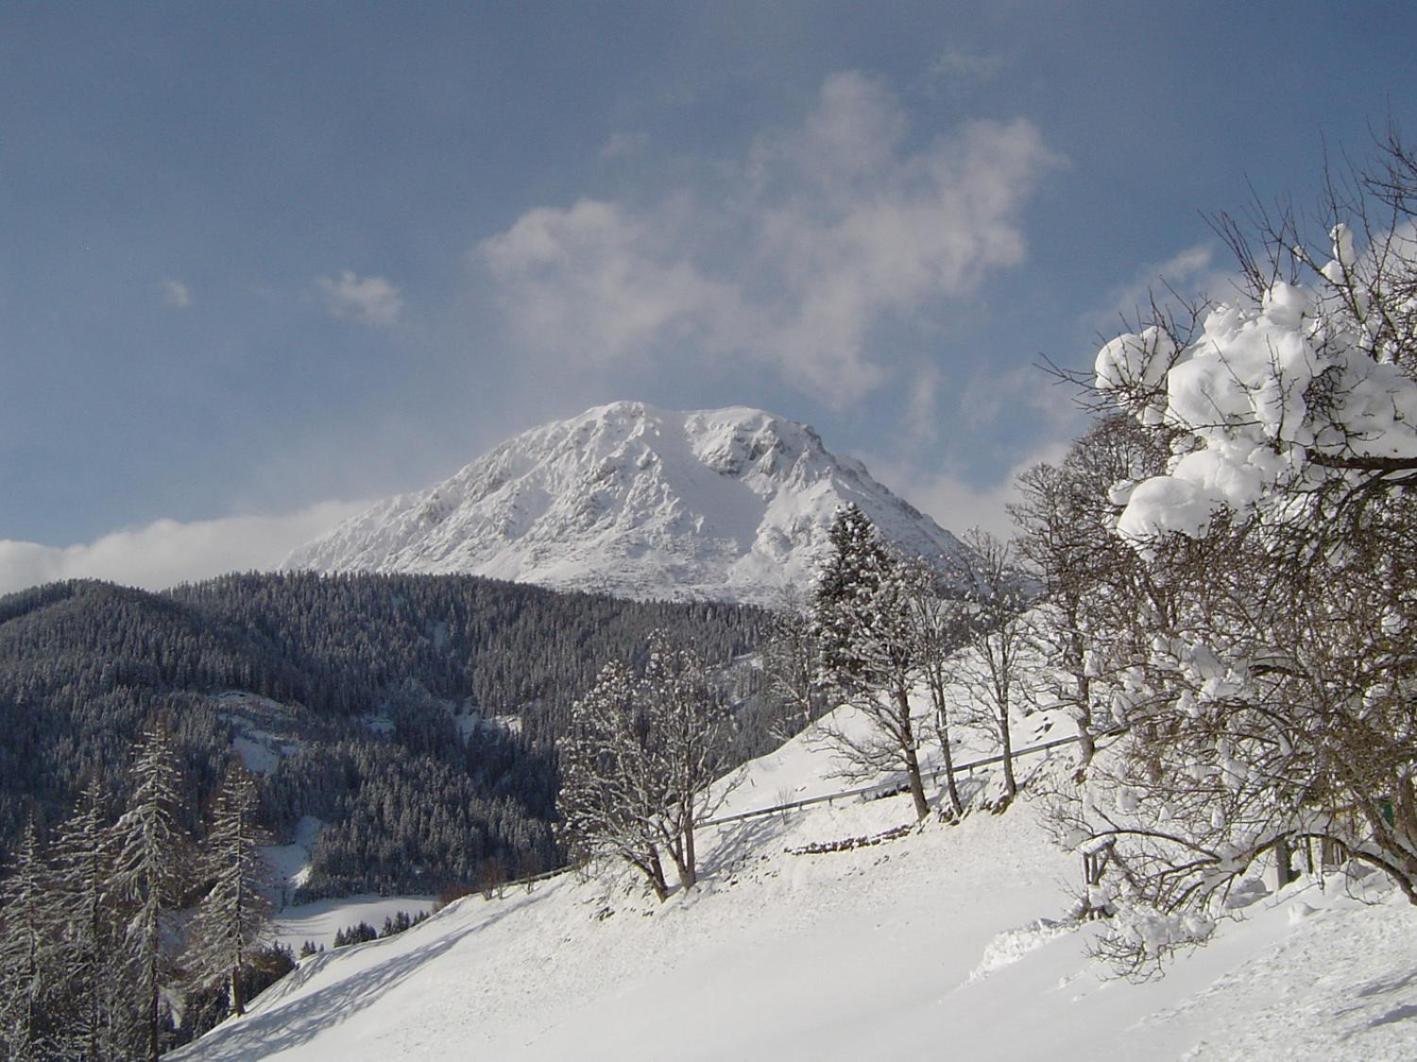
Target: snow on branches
1257,651
644,745
1303,384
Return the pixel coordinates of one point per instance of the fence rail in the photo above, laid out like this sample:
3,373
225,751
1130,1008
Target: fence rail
881,789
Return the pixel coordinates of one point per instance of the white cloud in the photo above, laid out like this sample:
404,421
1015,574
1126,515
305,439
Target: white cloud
175,294
957,504
922,407
366,300
167,552
1190,274
826,232
1026,393
596,283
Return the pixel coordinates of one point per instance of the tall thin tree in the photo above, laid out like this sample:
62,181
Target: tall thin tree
24,979
81,865
233,914
148,875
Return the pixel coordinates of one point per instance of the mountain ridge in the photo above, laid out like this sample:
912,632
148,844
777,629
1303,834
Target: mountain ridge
730,504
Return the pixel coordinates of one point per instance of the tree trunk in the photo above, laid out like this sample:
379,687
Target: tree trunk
1283,863
654,870
1007,749
950,787
238,998
690,876
1087,746
154,1047
912,762
681,851
942,728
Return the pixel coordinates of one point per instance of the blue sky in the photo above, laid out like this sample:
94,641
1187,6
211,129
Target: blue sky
261,261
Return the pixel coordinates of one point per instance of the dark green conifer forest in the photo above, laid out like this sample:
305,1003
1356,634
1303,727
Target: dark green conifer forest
416,716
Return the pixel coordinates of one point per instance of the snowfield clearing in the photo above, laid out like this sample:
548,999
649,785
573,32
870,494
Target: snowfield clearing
320,920
942,943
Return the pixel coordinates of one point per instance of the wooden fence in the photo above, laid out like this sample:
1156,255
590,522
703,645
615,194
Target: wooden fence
882,789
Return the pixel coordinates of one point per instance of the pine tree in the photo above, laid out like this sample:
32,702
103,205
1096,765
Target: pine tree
862,621
81,864
25,981
231,916
149,846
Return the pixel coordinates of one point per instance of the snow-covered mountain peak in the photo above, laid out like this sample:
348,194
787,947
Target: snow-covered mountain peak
722,504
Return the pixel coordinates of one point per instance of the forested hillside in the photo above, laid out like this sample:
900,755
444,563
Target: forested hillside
414,715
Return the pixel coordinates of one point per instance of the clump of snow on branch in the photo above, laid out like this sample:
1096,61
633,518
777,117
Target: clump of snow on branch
1276,395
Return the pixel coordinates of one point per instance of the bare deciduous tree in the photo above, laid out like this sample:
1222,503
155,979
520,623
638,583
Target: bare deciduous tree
1084,573
793,683
638,765
992,672
940,626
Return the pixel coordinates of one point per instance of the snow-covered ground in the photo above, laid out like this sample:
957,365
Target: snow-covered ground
319,920
940,943
289,864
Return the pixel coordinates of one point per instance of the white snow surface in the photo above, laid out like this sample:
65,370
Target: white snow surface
320,920
722,504
289,864
943,943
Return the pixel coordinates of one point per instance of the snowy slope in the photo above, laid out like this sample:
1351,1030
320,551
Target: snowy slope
928,946
724,504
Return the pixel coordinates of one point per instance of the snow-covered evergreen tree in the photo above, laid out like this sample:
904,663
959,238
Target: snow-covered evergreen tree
230,918
87,946
149,873
27,978
869,653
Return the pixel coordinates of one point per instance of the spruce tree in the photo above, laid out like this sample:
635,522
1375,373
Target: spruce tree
149,847
81,865
232,915
869,653
25,981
